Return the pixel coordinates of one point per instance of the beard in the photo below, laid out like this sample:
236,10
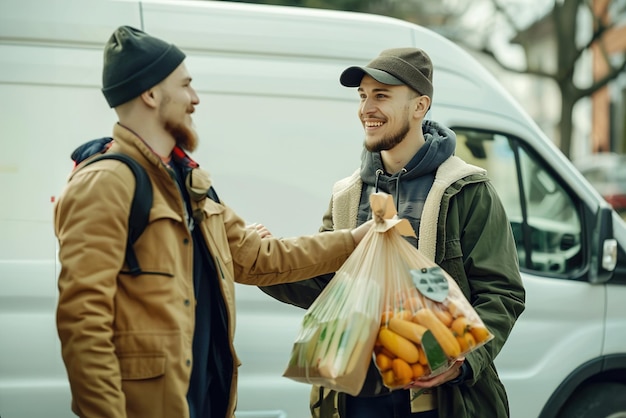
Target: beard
186,138
388,142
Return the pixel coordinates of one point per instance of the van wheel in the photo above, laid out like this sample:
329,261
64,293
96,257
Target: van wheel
596,400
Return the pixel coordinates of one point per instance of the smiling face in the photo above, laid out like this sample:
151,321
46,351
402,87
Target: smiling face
386,113
178,101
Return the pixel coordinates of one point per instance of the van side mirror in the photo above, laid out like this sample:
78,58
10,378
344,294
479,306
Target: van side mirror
603,249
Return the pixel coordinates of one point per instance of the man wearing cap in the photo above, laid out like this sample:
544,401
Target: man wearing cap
159,344
460,223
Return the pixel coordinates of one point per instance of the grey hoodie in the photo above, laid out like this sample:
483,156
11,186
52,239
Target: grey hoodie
411,185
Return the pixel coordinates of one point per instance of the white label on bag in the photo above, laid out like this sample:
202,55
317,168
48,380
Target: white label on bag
431,282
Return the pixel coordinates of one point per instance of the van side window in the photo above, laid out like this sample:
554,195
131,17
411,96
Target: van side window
544,218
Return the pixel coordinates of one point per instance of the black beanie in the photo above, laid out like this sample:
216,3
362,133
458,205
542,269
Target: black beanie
134,62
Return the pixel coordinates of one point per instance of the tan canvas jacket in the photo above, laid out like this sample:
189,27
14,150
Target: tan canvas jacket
127,341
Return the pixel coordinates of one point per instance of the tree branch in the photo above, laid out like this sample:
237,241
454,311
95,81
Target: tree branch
487,51
598,84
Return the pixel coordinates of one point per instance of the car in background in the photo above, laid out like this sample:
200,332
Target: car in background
607,173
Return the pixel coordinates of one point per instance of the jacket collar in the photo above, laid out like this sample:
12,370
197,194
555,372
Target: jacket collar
130,143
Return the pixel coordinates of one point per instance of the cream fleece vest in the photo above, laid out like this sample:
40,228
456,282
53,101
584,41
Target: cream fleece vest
347,195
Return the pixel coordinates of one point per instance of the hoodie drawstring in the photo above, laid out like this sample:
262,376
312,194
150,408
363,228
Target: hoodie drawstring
398,188
379,172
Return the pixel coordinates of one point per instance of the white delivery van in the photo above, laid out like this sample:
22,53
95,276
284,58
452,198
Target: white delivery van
277,130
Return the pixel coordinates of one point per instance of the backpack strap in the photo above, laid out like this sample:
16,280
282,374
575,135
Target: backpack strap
326,403
140,206
211,194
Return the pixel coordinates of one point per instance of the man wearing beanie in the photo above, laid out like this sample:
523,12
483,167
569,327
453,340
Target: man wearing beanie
158,342
460,224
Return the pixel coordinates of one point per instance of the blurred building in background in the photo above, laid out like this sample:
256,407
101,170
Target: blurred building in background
608,104
599,120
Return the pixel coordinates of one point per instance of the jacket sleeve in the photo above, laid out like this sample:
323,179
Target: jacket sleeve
303,293
489,277
91,226
269,261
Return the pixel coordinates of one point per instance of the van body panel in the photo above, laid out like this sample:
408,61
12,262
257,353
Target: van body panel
615,328
568,325
235,28
276,131
33,382
70,22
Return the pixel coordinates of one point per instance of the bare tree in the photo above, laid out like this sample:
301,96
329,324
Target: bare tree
562,26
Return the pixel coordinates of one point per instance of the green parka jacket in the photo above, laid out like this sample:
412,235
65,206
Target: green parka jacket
465,230
127,341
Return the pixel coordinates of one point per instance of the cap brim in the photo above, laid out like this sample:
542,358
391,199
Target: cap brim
352,76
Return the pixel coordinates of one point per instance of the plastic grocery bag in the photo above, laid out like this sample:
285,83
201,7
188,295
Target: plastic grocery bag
336,339
426,322
389,303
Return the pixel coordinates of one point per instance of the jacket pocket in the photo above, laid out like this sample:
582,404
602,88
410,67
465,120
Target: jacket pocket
452,263
453,249
143,384
165,227
142,366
